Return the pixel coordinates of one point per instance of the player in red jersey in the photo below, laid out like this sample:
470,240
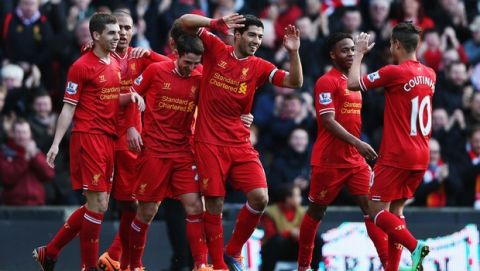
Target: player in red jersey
166,166
404,153
231,75
92,99
132,61
337,153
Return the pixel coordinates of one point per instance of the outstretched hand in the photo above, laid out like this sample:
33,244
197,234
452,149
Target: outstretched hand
228,22
361,43
291,38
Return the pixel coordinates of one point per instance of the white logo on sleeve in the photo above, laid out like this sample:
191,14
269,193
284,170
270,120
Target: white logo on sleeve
71,88
373,76
138,80
324,98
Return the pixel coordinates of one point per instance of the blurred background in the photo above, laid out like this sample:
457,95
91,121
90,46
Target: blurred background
40,39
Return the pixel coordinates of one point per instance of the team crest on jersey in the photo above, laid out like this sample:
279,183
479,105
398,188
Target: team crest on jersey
71,88
193,91
138,80
133,67
373,76
244,74
324,98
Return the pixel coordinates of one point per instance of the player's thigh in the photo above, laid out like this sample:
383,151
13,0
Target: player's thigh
153,176
415,177
125,175
212,169
184,179
388,183
358,182
325,184
91,162
246,172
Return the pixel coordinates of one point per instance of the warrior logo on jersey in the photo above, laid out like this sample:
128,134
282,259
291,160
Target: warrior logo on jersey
324,98
373,76
138,80
71,88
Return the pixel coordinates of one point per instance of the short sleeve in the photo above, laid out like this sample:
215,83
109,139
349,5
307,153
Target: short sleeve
74,86
324,96
380,78
211,42
153,58
143,81
267,71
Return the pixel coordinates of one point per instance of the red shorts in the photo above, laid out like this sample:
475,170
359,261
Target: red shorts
125,176
390,183
91,162
326,182
240,165
158,178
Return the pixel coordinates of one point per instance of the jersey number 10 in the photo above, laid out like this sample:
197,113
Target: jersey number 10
418,113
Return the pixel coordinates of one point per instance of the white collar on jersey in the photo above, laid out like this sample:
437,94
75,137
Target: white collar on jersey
235,56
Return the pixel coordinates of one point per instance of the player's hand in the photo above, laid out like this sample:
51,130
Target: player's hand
88,46
228,22
291,39
51,154
247,119
362,45
136,98
134,140
139,52
366,150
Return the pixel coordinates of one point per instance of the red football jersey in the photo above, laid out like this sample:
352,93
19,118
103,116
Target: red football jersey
131,68
171,101
409,88
332,96
94,87
227,91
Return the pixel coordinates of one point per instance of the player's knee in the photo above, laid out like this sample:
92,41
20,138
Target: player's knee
316,211
214,205
258,201
147,212
194,207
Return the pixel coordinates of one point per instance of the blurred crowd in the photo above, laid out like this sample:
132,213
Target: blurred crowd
40,39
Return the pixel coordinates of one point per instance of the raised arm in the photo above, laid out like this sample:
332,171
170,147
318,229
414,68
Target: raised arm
361,48
192,22
291,42
63,123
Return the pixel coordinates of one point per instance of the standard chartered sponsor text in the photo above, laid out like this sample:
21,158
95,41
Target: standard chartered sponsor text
109,93
351,108
228,83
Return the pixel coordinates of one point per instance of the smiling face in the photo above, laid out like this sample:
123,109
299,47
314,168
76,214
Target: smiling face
342,54
109,37
247,43
187,63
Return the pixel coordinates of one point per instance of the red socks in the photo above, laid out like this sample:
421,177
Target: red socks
197,239
379,239
247,221
89,234
396,229
115,249
394,252
66,233
138,237
308,230
214,234
124,233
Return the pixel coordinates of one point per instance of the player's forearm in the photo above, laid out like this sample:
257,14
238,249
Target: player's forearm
63,123
339,132
124,99
192,22
295,77
353,82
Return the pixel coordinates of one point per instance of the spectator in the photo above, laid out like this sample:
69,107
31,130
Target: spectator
469,167
412,10
291,113
473,113
282,13
310,51
449,131
281,223
26,37
451,13
23,168
440,184
43,121
79,11
351,21
292,164
472,46
450,91
3,119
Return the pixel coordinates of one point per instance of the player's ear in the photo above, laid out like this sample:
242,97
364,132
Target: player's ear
96,35
175,52
332,54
